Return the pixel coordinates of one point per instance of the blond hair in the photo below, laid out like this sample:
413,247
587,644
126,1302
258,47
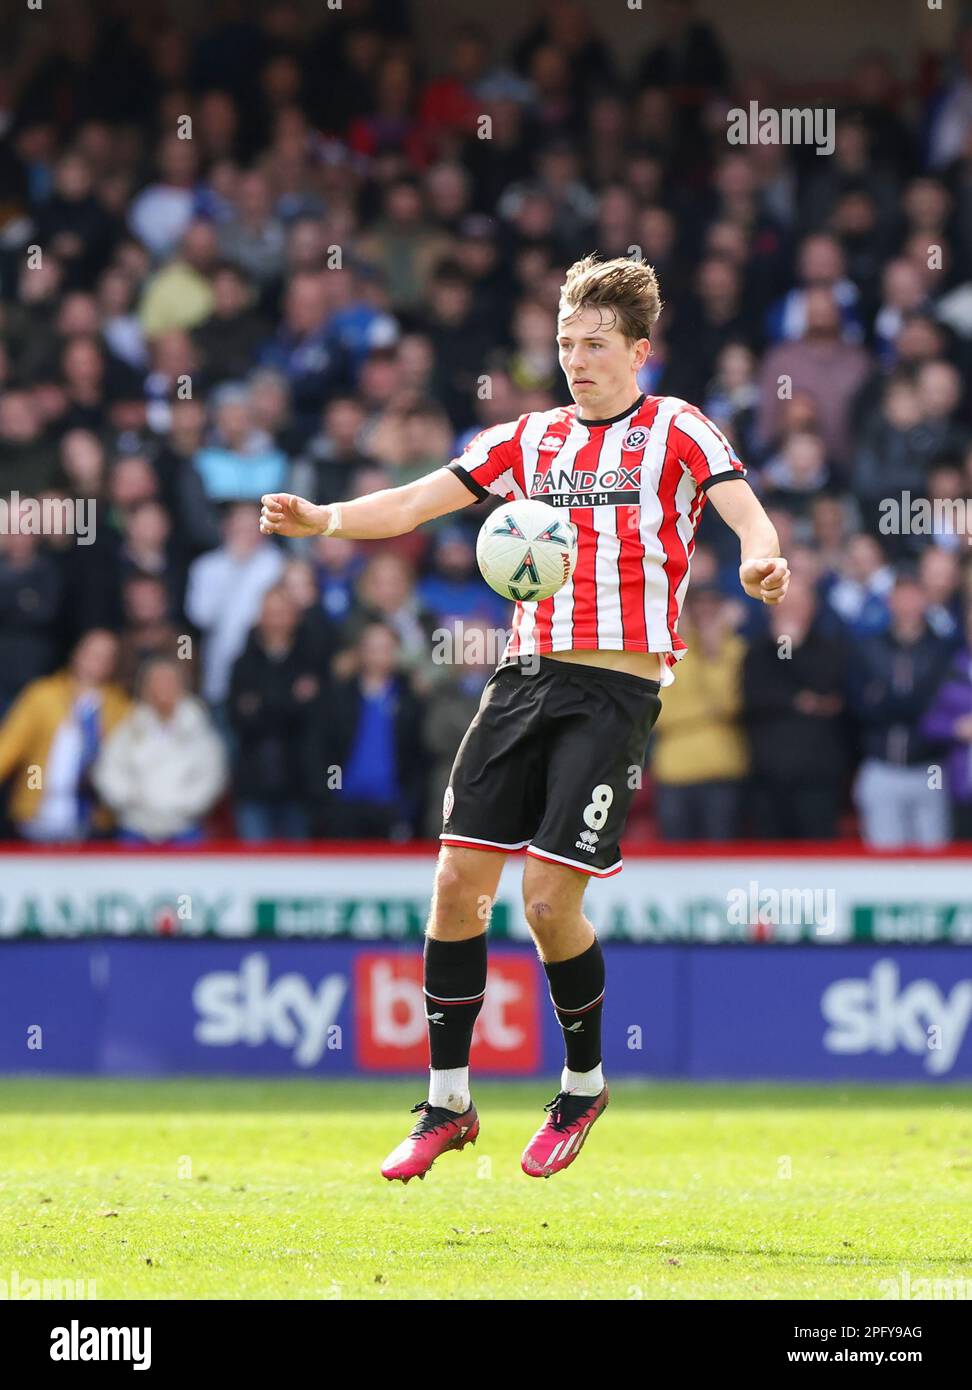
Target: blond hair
628,288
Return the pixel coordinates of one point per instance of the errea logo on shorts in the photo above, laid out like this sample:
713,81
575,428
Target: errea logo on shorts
587,841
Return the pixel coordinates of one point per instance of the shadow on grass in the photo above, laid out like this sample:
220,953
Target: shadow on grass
99,1095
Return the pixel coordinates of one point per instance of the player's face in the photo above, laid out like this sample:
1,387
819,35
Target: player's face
600,364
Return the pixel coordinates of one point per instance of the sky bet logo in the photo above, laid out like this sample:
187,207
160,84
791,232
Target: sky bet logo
878,1014
391,1024
246,1006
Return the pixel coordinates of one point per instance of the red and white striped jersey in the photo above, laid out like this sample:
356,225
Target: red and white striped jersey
634,487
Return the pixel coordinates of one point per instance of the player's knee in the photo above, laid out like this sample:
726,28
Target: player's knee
543,913
450,885
459,900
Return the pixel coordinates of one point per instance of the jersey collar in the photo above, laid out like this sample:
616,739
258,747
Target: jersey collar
614,418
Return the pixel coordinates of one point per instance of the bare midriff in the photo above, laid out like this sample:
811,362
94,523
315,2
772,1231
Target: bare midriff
648,665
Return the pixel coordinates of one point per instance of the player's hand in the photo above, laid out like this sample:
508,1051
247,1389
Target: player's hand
284,514
766,580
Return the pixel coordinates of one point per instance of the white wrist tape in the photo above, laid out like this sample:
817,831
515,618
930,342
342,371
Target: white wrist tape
334,523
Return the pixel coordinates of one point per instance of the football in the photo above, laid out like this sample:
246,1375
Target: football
527,550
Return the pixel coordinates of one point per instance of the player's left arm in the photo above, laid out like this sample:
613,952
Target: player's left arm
763,572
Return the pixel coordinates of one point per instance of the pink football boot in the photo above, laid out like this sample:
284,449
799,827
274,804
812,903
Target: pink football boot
561,1137
437,1131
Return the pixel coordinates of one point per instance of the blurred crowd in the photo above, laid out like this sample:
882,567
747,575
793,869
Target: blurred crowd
256,254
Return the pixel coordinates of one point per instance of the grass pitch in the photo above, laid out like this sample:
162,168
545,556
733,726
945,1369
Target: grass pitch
236,1189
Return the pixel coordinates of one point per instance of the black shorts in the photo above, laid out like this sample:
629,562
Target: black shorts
550,763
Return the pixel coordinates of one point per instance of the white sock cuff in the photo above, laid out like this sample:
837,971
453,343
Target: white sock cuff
449,1088
583,1083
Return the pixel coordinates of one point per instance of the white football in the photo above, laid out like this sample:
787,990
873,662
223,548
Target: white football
527,550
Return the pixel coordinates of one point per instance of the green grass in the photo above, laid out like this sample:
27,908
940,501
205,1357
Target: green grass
233,1189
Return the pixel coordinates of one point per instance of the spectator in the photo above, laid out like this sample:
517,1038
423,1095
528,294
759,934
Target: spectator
146,549
688,56
940,575
426,442
253,238
893,681
733,394
181,490
359,323
859,593
447,107
30,598
163,767
831,529
180,294
336,567
73,224
404,246
459,344
391,129
120,327
948,723
370,739
829,370
333,454
148,629
161,213
229,337
224,593
798,472
303,348
952,109
890,459
51,737
28,459
793,683
274,694
449,706
385,593
174,373
238,462
715,315
820,265
455,589
699,758
904,294
315,625
271,410
940,397
533,361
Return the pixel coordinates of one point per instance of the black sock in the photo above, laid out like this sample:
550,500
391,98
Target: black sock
455,982
577,994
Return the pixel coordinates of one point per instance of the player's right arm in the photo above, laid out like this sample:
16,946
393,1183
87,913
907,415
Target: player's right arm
391,512
490,464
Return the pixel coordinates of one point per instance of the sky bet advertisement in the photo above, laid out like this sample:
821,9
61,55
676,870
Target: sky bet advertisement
171,1007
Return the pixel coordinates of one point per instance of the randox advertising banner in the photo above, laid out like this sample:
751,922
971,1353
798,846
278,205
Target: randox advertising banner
374,896
158,1008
